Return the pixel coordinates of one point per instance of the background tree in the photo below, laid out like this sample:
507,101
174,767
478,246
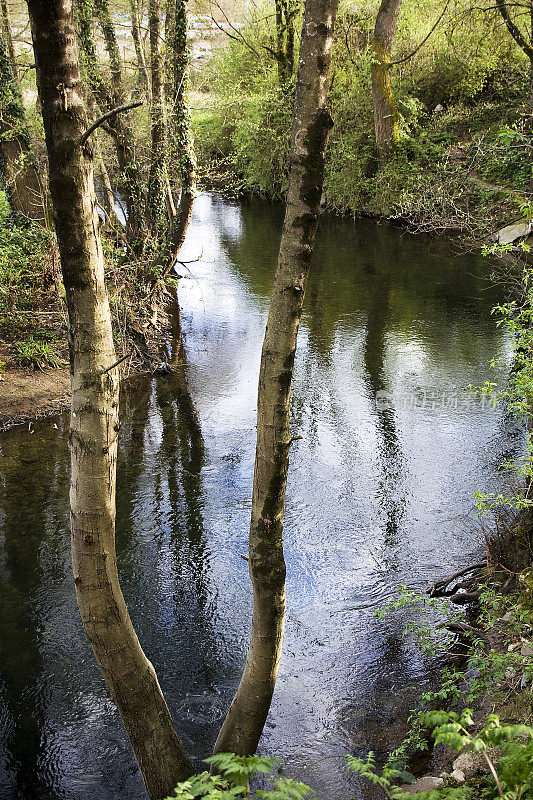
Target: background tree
8,37
523,37
158,179
385,115
182,159
17,162
109,95
286,13
142,67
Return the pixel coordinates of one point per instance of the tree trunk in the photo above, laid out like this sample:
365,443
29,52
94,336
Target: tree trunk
17,163
142,69
8,38
181,144
108,198
385,116
119,127
113,52
286,11
157,178
94,420
244,723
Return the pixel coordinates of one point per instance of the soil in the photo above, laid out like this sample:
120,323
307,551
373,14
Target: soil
26,395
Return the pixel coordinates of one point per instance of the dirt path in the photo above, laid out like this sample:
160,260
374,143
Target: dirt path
26,395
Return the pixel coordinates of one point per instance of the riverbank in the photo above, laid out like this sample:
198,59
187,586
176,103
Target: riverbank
462,158
29,395
34,375
495,684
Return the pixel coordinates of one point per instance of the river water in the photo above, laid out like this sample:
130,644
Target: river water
379,494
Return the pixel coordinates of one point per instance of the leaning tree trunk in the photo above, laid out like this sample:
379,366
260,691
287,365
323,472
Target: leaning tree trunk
17,163
385,115
94,420
244,723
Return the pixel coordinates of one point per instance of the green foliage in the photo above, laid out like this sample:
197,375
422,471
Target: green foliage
498,673
510,774
260,144
232,778
440,176
27,271
510,777
430,636
37,354
517,395
384,778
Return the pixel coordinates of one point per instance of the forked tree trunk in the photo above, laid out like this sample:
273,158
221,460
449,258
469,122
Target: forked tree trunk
244,723
385,115
94,420
17,163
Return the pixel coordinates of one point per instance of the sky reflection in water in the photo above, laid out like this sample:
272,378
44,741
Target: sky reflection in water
379,494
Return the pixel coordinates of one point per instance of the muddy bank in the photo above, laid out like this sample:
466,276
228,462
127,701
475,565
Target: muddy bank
26,395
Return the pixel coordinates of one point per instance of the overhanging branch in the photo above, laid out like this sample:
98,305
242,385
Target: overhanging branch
106,116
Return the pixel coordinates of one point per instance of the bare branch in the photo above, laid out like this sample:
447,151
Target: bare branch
106,116
422,43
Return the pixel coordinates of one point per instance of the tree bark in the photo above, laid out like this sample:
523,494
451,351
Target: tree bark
181,144
17,163
94,420
244,723
109,97
157,178
142,69
111,45
286,11
385,115
8,38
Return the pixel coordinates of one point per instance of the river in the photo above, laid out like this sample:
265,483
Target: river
380,493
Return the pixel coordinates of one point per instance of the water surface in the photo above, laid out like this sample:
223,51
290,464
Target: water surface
379,494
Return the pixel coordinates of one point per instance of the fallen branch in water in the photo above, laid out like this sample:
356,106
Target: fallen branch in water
462,629
442,588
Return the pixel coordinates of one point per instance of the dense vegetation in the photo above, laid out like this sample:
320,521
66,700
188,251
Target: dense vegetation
460,160
463,158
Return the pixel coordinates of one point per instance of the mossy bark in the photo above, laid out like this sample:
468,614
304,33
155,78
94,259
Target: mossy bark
180,138
157,180
8,37
108,97
94,420
385,114
17,163
286,12
244,723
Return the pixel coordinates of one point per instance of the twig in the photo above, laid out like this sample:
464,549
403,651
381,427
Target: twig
422,43
494,773
106,116
108,369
